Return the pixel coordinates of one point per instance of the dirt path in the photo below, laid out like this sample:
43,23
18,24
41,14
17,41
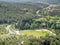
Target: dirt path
37,12
12,32
8,29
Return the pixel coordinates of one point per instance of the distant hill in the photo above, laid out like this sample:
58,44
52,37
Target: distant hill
35,1
12,12
52,10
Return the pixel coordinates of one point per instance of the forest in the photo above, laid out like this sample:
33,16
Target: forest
28,17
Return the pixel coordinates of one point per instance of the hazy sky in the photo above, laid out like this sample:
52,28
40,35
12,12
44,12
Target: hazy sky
29,0
44,1
14,0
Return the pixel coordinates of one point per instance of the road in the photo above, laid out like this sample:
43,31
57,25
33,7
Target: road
37,12
12,32
8,29
17,32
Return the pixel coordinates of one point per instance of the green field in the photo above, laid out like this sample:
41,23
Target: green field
35,33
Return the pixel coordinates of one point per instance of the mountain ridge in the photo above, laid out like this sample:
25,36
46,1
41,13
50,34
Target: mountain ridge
35,1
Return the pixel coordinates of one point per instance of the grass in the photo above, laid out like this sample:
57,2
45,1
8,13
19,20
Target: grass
12,28
27,32
34,33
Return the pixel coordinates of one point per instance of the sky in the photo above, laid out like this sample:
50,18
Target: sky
15,0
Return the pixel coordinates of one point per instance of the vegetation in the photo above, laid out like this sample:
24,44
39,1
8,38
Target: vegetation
16,40
47,22
3,29
27,19
35,33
